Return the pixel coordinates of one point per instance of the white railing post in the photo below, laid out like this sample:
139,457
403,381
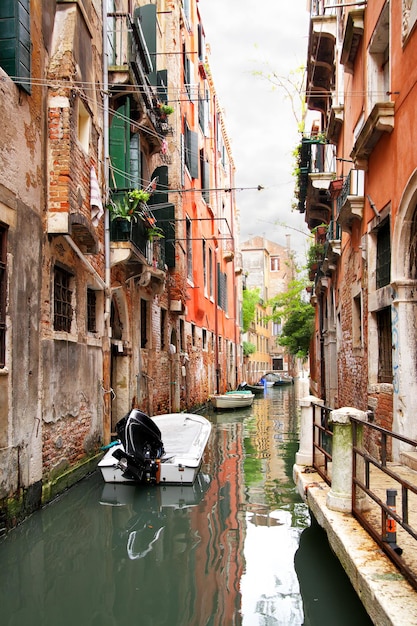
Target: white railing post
304,456
339,497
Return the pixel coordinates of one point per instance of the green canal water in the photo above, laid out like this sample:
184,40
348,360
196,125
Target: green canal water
237,548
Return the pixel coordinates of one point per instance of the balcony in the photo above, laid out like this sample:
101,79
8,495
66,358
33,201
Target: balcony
380,121
351,38
321,54
351,201
131,246
317,170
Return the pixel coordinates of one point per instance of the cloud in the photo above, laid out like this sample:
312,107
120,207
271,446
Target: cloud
248,37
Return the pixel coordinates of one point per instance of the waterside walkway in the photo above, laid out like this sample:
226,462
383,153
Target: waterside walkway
386,595
389,599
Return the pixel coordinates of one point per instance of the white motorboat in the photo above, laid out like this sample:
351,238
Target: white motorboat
164,449
232,400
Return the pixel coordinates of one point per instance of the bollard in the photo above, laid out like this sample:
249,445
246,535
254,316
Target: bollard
391,524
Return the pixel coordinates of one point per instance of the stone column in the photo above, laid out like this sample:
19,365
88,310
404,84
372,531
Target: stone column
339,497
304,456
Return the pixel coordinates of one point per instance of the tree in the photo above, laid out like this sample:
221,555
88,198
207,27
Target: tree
250,300
298,315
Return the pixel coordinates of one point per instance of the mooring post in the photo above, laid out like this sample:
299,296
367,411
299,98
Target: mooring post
339,497
304,456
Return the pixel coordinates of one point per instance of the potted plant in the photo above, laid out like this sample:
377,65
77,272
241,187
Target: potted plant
165,110
154,232
128,207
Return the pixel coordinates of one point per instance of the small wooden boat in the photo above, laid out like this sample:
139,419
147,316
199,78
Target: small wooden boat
232,399
283,380
165,449
256,389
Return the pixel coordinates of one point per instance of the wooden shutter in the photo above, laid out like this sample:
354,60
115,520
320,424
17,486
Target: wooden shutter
119,145
15,48
147,17
164,213
192,156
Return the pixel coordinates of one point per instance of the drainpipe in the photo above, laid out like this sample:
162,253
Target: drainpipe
107,280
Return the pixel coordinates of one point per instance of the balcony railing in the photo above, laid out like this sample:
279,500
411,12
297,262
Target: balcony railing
350,202
153,252
322,7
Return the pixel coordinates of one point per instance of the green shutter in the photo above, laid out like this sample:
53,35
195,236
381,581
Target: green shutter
147,16
119,145
15,47
192,157
206,181
165,214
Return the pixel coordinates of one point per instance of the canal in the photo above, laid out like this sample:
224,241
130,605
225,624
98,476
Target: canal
237,548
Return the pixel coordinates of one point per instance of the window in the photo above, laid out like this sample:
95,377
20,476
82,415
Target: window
188,70
163,328
191,156
221,289
379,61
383,256
205,184
15,46
193,334
91,311
204,339
384,345
204,251
275,265
182,336
357,321
143,323
135,161
84,125
211,290
3,295
62,300
189,249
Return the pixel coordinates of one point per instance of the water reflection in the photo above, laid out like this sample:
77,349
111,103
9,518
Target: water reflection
219,553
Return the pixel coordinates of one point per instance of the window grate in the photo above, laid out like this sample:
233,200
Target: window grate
91,311
384,346
62,300
383,256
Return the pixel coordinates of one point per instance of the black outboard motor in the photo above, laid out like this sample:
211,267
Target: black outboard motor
143,447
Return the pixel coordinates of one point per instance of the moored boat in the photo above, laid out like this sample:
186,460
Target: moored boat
256,389
166,449
232,400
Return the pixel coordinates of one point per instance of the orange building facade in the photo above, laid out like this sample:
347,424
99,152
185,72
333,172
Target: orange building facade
358,178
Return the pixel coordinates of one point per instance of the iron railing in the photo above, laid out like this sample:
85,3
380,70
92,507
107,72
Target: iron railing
322,442
391,523
153,252
353,185
322,7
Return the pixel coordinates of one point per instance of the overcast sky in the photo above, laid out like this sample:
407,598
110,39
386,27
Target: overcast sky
259,35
